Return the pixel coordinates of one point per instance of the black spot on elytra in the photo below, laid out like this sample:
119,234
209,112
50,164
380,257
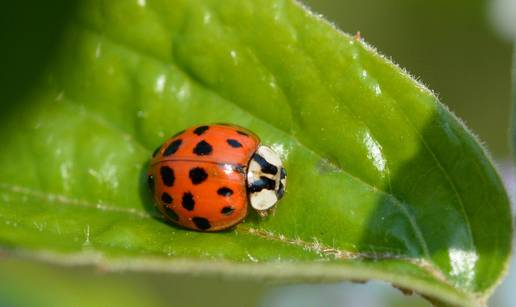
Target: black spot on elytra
150,182
200,130
171,213
197,175
156,151
227,210
166,198
265,166
234,143
172,148
201,223
188,201
202,148
262,183
167,176
242,133
225,191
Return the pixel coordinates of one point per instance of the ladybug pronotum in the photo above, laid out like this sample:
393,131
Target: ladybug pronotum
204,177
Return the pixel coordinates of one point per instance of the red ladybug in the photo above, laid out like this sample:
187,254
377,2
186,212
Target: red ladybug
204,177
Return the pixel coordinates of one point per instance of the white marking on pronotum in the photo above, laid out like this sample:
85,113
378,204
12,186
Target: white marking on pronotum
270,155
266,198
263,200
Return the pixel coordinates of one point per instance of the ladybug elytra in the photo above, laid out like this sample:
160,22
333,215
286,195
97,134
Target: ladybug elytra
203,177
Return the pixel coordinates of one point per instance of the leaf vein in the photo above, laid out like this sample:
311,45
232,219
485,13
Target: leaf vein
316,247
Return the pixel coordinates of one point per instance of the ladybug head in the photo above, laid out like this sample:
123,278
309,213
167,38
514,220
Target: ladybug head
266,179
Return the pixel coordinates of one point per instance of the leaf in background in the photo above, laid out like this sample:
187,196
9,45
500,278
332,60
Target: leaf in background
514,104
62,286
384,183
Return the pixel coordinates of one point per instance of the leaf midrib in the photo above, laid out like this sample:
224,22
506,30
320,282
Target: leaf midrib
264,268
324,252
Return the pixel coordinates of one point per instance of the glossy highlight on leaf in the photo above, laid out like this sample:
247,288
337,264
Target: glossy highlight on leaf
384,183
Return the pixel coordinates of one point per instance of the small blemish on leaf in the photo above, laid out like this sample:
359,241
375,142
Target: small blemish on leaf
324,166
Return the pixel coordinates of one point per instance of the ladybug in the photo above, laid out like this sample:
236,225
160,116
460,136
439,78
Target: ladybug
204,177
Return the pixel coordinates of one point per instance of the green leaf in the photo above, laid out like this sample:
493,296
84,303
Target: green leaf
384,183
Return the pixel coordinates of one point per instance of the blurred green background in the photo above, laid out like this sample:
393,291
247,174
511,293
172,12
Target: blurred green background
452,46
